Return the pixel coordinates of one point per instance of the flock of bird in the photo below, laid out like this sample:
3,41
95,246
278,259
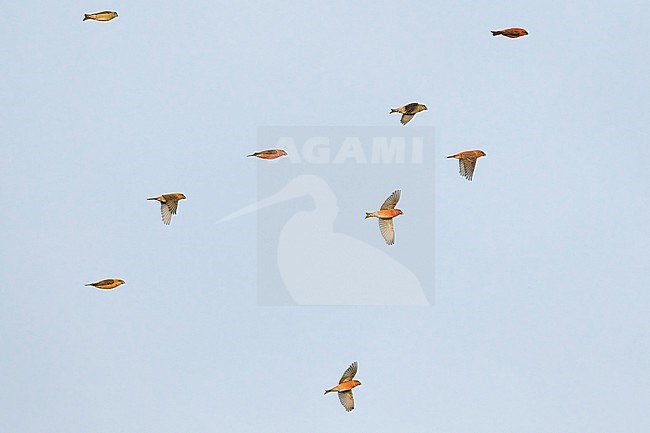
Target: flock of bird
466,160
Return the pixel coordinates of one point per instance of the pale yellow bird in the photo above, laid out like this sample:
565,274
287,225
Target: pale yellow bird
101,16
385,216
107,284
168,205
408,111
344,388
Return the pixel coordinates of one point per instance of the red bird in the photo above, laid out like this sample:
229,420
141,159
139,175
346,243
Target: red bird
385,216
344,388
513,32
269,154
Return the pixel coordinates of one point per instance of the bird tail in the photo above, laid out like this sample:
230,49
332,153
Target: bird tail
86,17
152,198
451,156
368,215
87,284
252,154
328,390
495,33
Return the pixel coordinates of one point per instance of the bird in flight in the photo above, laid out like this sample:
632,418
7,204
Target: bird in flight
101,16
467,162
269,154
344,388
168,205
386,215
408,111
512,33
108,284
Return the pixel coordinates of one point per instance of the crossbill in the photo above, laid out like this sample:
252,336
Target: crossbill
168,205
269,154
108,284
385,216
344,388
512,33
101,16
467,161
408,111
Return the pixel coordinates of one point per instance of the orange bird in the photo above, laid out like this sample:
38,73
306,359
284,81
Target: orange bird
467,161
344,388
269,154
386,215
108,284
168,205
514,32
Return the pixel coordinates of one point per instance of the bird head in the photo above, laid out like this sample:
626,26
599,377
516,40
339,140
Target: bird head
424,107
356,382
399,211
525,32
181,196
480,153
121,281
282,152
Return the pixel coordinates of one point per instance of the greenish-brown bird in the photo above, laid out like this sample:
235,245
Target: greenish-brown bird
107,284
168,205
101,16
408,111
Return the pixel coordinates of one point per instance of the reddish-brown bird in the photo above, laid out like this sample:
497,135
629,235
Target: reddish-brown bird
514,32
386,215
467,162
344,388
269,154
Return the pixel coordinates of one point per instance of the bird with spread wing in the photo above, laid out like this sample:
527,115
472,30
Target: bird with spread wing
385,216
344,388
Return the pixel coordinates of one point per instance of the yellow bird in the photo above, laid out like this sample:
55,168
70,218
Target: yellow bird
101,16
168,205
408,111
108,284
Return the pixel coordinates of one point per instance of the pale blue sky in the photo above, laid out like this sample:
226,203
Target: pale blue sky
540,316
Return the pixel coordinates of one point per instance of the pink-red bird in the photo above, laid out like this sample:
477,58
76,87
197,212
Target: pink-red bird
385,216
269,154
512,33
344,388
467,162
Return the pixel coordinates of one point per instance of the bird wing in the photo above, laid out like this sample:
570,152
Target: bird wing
166,212
172,204
406,118
348,375
410,108
347,400
392,200
105,282
387,231
467,167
